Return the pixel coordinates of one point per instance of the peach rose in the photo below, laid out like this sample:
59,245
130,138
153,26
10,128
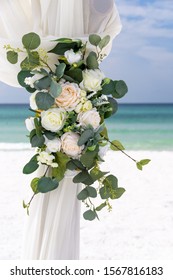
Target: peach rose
69,97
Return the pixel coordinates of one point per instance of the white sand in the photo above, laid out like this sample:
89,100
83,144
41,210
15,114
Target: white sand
139,227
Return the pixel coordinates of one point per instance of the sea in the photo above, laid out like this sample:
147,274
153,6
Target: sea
136,126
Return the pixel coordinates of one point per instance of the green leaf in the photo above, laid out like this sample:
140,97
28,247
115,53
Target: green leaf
109,88
91,61
62,161
50,135
73,164
68,78
30,62
37,141
88,181
83,194
43,83
111,182
31,166
12,57
55,89
120,89
118,193
101,206
44,101
75,75
89,215
80,177
116,146
46,184
104,42
22,75
31,41
34,184
91,192
85,136
104,133
61,48
94,39
97,174
104,193
139,165
88,159
60,70
144,161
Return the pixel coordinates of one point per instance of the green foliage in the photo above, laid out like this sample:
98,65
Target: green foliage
97,174
31,166
60,70
47,184
44,100
108,88
50,135
120,89
31,41
113,107
94,39
141,163
61,48
88,159
22,75
75,75
74,164
37,141
34,184
43,83
55,89
91,192
86,136
12,57
104,42
62,161
89,215
116,146
101,206
91,61
81,177
83,194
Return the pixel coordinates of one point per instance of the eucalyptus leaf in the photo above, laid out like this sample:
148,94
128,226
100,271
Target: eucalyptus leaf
12,57
34,184
89,215
101,206
116,146
80,177
94,39
91,192
31,166
92,61
85,136
47,184
60,70
75,74
97,174
62,160
108,88
50,135
118,193
61,48
104,193
37,141
44,100
43,83
104,42
55,89
83,194
22,75
111,182
120,89
31,41
73,164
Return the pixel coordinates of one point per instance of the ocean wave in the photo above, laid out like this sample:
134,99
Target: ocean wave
15,147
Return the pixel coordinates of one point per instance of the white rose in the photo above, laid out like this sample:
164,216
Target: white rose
29,122
87,106
54,145
92,80
46,158
90,117
33,104
73,57
69,97
69,146
53,119
78,108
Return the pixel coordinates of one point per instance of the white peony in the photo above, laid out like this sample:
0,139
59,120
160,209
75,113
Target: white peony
90,117
33,104
54,145
46,158
29,122
53,119
73,57
69,146
92,80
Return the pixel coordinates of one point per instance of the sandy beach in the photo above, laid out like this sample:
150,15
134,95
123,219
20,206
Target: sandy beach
140,225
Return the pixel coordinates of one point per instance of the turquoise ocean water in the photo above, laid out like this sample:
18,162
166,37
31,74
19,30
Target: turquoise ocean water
137,126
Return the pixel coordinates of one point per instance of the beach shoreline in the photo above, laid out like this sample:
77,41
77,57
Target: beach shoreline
140,225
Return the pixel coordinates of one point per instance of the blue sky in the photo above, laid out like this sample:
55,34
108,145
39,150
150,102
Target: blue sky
142,54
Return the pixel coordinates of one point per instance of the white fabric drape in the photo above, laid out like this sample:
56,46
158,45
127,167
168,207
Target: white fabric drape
52,230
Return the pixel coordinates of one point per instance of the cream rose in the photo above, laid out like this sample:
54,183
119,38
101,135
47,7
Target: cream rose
92,80
73,57
53,119
90,117
69,97
54,145
69,144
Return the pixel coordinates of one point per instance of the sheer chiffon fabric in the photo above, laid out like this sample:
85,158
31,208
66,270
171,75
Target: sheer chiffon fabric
53,226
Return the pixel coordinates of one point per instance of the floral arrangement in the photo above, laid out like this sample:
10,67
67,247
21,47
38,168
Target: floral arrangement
70,100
